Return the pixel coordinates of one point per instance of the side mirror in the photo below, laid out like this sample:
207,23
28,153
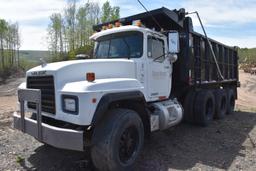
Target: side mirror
174,43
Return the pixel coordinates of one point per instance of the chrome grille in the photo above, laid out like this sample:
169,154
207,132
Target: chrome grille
46,85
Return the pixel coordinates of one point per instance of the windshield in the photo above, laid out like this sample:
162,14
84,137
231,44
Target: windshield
120,45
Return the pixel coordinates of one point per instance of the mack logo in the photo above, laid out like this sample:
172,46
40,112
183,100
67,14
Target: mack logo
38,73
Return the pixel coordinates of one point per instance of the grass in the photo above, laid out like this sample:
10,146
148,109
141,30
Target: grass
20,159
34,56
247,55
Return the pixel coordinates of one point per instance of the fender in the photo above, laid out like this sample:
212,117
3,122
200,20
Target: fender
107,99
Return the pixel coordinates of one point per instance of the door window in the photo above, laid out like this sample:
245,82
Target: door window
155,48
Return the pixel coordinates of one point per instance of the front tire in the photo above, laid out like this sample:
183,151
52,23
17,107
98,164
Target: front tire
118,140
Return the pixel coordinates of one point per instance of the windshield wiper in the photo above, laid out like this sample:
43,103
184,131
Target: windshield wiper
129,51
159,57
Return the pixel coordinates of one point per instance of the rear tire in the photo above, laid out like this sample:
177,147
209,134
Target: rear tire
220,103
204,107
231,101
117,140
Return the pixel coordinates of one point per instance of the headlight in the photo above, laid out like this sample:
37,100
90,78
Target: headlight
70,104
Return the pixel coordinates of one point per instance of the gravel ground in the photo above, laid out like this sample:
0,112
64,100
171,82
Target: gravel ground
227,144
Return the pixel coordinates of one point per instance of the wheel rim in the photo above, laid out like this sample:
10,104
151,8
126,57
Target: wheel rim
209,109
128,144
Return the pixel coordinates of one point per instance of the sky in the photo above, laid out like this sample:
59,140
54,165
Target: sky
232,22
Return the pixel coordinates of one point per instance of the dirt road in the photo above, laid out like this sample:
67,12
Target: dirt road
229,144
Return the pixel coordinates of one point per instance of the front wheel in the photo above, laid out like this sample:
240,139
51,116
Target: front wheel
118,140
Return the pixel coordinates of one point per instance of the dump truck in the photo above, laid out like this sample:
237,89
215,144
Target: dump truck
149,72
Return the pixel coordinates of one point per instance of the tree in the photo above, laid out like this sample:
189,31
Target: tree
9,42
3,30
18,43
109,13
115,13
71,33
93,18
81,24
55,32
70,16
106,12
94,13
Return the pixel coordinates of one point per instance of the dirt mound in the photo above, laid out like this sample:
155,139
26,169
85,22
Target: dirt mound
247,92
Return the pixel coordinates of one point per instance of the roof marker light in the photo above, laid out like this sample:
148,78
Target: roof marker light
118,24
104,28
110,26
137,23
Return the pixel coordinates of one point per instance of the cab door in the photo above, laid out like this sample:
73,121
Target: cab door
159,68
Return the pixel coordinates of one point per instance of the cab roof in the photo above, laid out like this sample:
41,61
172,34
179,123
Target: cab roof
95,36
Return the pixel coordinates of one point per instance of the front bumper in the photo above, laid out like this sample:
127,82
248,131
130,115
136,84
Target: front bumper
54,136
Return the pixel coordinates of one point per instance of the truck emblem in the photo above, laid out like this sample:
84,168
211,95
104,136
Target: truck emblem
38,73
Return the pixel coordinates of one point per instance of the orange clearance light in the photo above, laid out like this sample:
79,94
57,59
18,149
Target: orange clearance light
117,24
90,76
110,26
104,27
138,23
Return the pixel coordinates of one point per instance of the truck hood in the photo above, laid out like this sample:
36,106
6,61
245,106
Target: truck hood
70,71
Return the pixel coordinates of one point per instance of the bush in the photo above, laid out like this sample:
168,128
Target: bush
87,49
27,64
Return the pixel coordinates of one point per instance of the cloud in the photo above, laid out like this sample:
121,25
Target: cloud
214,12
34,38
32,16
29,9
242,42
230,21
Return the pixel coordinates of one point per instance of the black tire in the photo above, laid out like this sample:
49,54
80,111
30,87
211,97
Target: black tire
231,101
117,141
189,106
204,107
220,103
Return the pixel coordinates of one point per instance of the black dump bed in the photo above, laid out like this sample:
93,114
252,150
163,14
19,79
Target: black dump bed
195,67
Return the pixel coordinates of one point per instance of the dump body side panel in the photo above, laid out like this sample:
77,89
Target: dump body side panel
196,67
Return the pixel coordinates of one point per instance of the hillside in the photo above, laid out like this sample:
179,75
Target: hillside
31,58
247,56
34,55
